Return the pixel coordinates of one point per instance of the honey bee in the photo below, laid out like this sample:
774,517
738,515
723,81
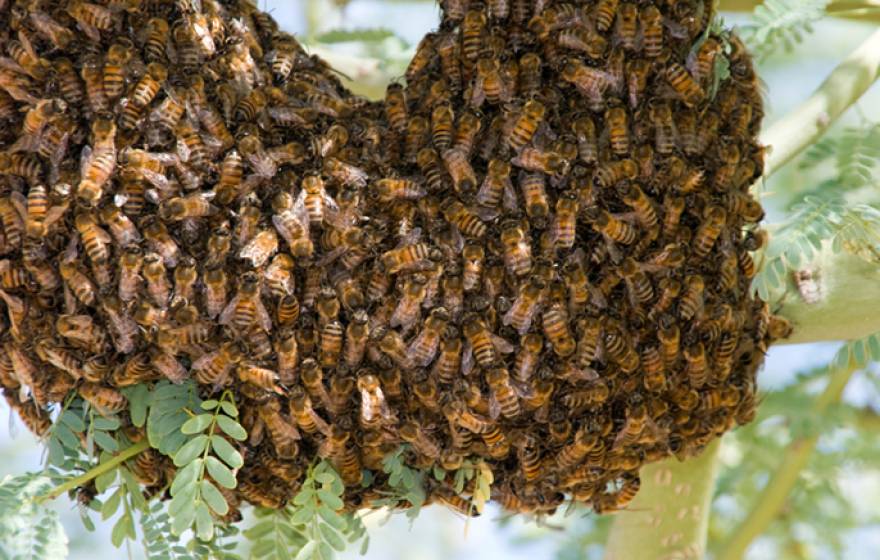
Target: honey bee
729,155
504,399
691,303
99,162
155,40
448,362
549,163
638,283
282,431
702,62
526,124
114,76
615,229
610,173
684,84
517,249
708,232
464,178
395,107
156,277
374,408
82,331
416,138
523,309
246,308
473,29
314,198
214,368
106,400
464,219
556,330
160,241
421,59
142,94
565,222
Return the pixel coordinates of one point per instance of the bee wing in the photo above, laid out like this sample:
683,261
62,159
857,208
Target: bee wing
19,202
366,405
229,310
85,159
331,256
467,358
263,318
502,345
205,359
494,406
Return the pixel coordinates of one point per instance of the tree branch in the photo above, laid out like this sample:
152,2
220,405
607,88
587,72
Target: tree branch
847,308
670,515
96,471
806,123
797,455
862,10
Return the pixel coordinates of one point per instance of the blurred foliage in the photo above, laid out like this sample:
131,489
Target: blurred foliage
781,25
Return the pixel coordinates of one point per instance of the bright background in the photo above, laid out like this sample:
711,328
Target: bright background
439,534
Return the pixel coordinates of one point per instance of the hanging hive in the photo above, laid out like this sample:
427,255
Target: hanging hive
536,253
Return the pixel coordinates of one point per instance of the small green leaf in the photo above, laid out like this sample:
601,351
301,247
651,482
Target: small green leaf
324,551
331,517
365,546
109,508
306,551
138,399
204,522
104,481
196,424
186,476
120,531
191,450
221,474
183,521
304,496
325,478
355,35
105,441
226,452
214,498
303,515
105,423
229,408
73,421
331,537
232,428
333,501
210,404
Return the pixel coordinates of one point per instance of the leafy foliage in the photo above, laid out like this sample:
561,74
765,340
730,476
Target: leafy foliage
311,527
781,24
156,527
206,452
355,35
854,155
408,483
854,228
29,530
167,413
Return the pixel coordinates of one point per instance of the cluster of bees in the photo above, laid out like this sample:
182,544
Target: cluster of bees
535,253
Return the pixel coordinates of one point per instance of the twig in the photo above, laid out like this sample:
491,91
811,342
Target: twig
797,455
96,471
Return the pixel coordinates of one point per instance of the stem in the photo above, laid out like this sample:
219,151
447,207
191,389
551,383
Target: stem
669,516
797,455
862,10
805,124
96,471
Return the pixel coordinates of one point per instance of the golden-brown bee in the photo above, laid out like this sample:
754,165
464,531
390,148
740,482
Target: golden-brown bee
691,303
158,286
70,86
395,107
473,29
684,84
526,124
99,161
416,138
115,70
618,129
422,57
517,249
442,127
556,329
246,309
708,232
464,178
523,309
703,62
106,400
142,94
388,189
448,362
473,255
585,131
610,173
638,283
565,220
464,219
215,367
652,31
583,40
374,409
615,229
504,399
259,377
534,159
155,40
282,431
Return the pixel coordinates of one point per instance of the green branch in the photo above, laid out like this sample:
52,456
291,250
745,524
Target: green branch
847,308
95,472
862,10
797,455
670,515
800,128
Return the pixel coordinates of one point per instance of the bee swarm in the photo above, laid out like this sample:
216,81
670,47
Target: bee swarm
536,253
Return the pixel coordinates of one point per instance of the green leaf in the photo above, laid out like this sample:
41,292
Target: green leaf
210,404
138,399
306,551
325,477
197,424
304,496
109,508
231,428
120,530
214,498
331,500
303,515
191,450
104,481
183,520
220,472
73,421
226,452
204,522
105,423
331,517
186,476
105,441
324,551
229,408
331,537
